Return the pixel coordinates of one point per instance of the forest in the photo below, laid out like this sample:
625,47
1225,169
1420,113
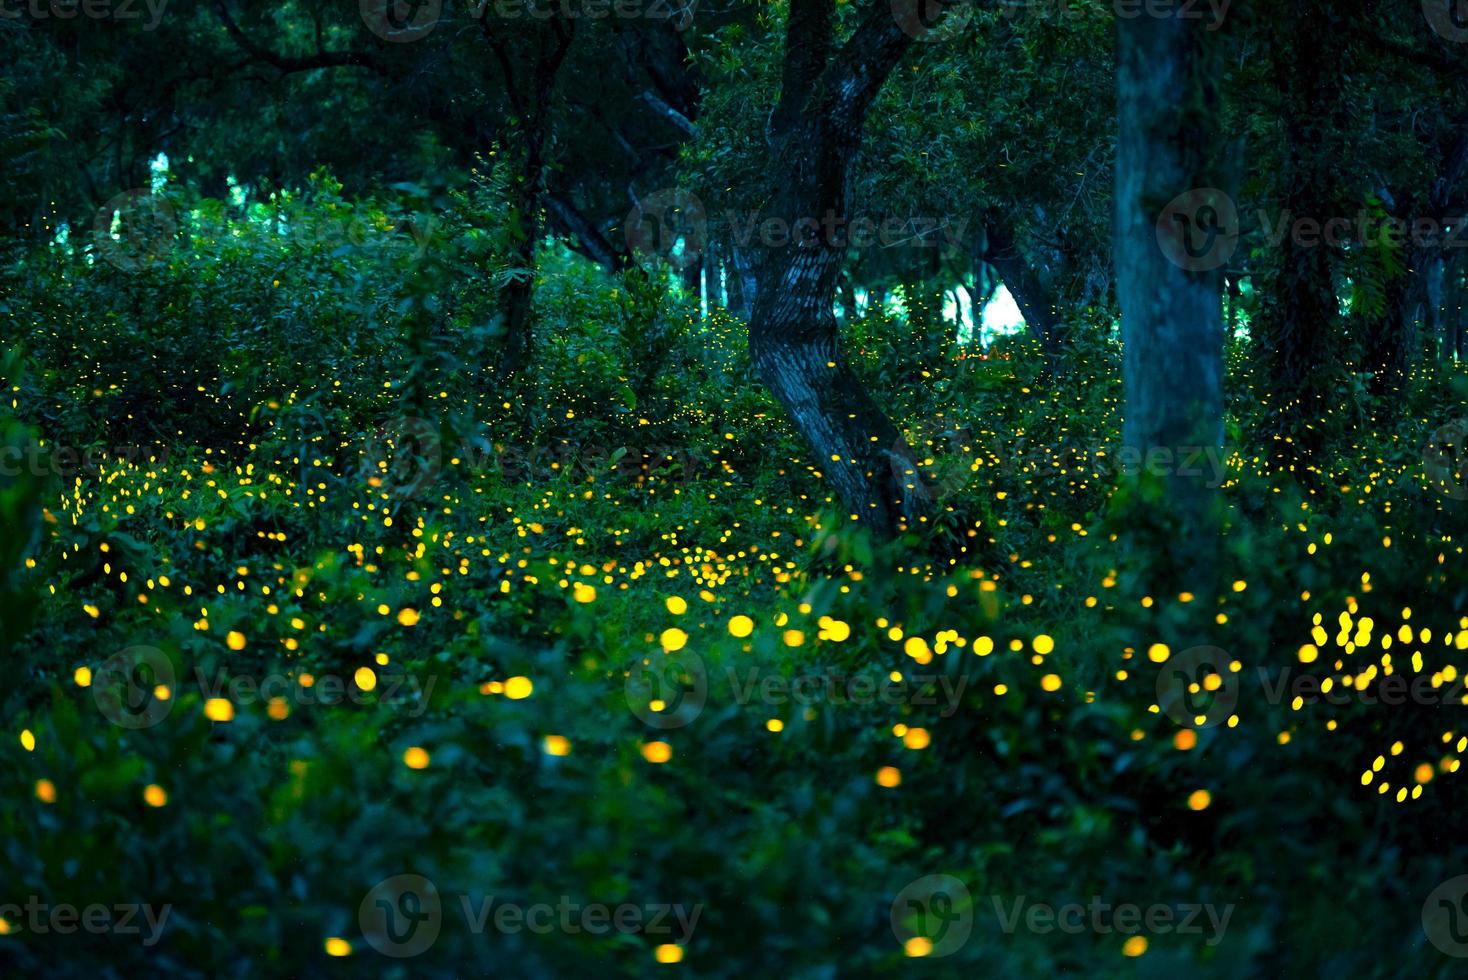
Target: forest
839,488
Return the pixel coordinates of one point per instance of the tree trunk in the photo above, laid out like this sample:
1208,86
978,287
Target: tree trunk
848,298
793,336
1299,337
743,283
1171,306
1391,338
1035,302
518,295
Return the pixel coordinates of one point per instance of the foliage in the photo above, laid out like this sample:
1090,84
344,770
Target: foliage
286,517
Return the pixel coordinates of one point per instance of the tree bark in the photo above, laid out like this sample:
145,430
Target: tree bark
1299,336
743,281
517,297
1392,340
1168,106
1035,301
793,336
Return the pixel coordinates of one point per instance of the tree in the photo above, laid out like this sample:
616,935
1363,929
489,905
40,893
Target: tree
1167,171
794,341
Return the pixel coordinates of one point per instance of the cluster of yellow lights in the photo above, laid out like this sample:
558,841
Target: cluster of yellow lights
454,532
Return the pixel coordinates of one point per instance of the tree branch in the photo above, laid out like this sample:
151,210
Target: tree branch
289,63
672,115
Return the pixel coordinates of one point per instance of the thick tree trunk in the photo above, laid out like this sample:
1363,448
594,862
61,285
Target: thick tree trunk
1170,300
793,336
794,343
1299,336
